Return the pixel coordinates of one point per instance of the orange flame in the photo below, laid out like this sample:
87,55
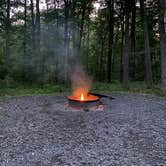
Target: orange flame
81,83
82,97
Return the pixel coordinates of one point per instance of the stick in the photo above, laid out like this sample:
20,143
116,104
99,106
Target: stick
102,95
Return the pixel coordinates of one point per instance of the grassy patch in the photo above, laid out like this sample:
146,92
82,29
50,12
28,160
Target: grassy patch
28,91
136,87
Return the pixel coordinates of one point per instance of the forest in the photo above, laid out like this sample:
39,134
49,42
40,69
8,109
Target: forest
116,42
82,82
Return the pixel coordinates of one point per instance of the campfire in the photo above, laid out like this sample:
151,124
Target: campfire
83,97
81,85
83,100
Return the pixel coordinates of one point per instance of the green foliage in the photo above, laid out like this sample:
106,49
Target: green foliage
134,87
35,90
27,66
63,89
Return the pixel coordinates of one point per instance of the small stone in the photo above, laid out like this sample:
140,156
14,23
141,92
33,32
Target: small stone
86,110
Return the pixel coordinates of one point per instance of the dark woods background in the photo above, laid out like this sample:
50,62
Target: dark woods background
123,41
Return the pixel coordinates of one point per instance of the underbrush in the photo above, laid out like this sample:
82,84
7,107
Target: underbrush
62,89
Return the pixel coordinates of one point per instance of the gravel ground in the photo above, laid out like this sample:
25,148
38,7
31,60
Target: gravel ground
41,131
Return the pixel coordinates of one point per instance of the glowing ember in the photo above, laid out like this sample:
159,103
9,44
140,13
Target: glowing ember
82,97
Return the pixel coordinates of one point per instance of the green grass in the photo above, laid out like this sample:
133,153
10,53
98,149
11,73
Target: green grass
136,87
35,90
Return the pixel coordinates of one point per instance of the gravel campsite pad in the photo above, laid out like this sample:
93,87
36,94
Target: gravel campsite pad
42,131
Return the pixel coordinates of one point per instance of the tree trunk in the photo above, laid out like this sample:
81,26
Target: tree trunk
111,37
37,35
7,45
37,23
126,45
32,16
162,32
32,36
47,5
25,25
66,39
32,24
88,38
57,17
101,57
74,33
122,39
81,28
146,44
133,39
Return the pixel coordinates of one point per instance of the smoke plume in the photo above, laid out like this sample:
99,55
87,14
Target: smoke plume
80,80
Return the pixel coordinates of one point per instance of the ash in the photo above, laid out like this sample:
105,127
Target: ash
42,131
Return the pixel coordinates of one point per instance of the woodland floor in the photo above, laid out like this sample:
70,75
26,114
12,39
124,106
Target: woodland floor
39,131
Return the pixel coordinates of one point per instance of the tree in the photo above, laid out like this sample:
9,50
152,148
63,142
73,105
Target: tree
73,15
32,27
107,35
83,13
7,44
37,32
162,33
126,45
66,37
32,15
25,25
110,39
133,39
2,15
146,44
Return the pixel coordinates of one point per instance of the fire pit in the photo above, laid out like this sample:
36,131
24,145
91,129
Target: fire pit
84,101
81,97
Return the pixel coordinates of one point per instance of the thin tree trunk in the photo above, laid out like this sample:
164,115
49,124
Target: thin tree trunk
37,23
126,46
37,34
32,24
122,40
88,37
32,16
162,32
25,25
81,28
101,57
7,45
146,44
133,38
121,58
73,33
66,39
47,5
57,17
32,34
74,40
111,37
